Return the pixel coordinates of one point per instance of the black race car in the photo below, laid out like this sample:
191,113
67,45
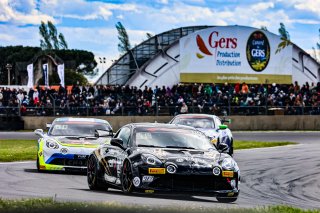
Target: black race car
152,157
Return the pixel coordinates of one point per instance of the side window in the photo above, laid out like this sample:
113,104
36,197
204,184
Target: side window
124,134
217,123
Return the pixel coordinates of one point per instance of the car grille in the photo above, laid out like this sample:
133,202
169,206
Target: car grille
195,183
69,162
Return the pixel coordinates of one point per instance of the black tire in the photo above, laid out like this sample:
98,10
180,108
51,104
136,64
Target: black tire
226,200
231,148
38,164
92,175
126,178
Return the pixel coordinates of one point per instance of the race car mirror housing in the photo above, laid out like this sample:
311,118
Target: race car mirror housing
117,142
223,126
222,147
39,132
103,133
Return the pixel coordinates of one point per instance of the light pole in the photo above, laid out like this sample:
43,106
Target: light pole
103,61
9,67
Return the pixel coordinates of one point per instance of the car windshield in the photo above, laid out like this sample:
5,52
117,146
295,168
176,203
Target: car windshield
84,129
172,138
205,123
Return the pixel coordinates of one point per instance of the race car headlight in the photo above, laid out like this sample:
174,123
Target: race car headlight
213,139
229,164
150,159
52,144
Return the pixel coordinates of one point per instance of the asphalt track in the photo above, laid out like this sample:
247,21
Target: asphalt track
287,175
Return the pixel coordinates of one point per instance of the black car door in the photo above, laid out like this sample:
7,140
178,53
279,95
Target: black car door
116,155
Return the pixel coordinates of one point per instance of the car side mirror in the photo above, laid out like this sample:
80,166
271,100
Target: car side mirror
39,132
103,133
117,142
222,147
222,126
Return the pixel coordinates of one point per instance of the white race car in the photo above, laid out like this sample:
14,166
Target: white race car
70,141
210,125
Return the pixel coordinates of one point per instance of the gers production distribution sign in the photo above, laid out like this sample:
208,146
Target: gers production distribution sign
234,54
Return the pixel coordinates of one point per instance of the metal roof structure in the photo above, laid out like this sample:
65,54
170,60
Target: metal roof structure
123,68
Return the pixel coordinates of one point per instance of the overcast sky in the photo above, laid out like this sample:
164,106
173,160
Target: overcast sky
90,24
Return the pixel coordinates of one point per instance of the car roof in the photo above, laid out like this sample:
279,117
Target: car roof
195,116
72,119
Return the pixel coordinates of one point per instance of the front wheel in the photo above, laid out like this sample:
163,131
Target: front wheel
92,174
126,178
38,164
226,200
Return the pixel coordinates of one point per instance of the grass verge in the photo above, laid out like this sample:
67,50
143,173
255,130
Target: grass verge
18,150
258,144
48,205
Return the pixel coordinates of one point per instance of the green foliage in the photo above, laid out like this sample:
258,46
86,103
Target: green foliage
50,205
283,32
285,37
124,43
264,28
316,50
50,38
81,57
258,144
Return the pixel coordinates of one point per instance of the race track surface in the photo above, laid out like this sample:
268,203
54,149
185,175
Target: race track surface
270,176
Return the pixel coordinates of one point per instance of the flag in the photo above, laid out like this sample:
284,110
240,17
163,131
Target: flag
61,73
30,75
45,74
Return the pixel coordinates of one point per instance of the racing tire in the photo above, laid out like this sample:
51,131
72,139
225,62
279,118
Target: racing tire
92,175
231,148
226,200
126,178
38,165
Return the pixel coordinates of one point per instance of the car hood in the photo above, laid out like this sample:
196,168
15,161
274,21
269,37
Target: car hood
209,132
90,142
184,155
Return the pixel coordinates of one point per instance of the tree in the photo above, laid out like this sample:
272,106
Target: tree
285,37
316,50
283,32
50,38
264,28
124,43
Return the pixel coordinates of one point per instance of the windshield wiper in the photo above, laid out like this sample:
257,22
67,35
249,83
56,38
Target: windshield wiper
180,147
146,145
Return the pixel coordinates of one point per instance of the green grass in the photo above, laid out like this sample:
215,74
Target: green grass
258,144
48,205
18,150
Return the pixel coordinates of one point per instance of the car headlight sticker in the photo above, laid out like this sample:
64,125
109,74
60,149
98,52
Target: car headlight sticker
150,159
52,144
229,164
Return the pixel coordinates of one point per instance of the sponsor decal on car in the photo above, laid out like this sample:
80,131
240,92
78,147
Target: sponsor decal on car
227,174
157,171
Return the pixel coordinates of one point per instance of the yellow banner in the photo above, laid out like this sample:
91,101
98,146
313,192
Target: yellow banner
234,78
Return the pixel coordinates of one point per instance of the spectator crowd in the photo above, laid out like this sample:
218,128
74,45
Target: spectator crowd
219,99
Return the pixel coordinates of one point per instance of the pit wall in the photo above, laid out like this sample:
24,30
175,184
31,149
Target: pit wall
238,123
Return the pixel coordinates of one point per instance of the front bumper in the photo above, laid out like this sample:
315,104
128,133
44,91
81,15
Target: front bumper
207,184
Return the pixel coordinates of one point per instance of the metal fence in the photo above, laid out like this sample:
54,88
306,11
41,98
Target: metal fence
156,110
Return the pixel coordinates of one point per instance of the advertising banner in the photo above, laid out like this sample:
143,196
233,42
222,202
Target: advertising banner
235,54
30,76
45,74
61,73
